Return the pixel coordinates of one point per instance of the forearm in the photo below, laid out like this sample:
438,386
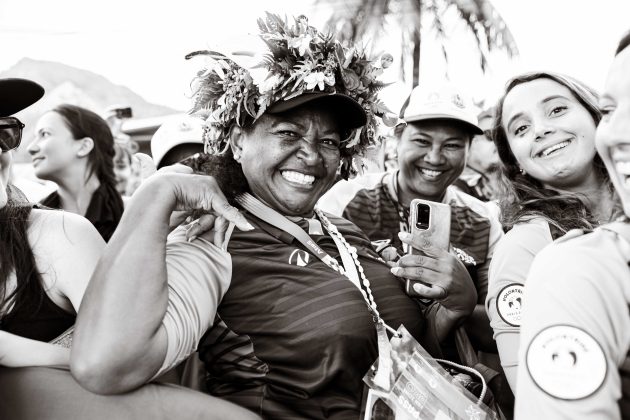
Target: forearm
118,344
16,351
479,331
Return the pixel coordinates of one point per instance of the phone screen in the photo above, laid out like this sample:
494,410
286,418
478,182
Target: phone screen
424,216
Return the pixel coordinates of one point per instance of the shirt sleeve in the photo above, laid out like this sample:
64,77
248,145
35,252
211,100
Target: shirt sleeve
199,275
511,261
495,235
575,331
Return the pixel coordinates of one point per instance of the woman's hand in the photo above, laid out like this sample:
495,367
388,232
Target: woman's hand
195,193
448,280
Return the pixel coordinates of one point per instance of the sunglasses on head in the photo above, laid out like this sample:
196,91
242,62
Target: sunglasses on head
10,133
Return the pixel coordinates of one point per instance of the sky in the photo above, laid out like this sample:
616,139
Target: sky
141,44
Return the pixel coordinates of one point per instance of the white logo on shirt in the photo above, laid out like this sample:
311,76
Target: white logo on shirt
566,362
299,257
509,304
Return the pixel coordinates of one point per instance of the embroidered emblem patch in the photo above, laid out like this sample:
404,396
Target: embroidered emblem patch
566,362
299,257
509,304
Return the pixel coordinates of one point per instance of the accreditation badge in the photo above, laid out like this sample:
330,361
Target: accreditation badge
509,303
566,362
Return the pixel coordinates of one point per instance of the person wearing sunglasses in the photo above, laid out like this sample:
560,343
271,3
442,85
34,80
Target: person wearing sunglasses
41,283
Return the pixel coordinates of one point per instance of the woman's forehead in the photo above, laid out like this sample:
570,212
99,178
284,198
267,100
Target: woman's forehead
533,94
305,117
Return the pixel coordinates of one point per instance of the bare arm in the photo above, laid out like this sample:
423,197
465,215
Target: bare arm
119,341
16,351
66,248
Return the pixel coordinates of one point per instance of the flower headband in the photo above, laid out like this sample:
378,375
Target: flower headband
299,60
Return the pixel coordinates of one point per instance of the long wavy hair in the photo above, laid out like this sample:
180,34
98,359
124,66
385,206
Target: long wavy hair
524,197
16,256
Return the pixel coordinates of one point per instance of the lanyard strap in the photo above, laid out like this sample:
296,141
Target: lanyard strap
258,209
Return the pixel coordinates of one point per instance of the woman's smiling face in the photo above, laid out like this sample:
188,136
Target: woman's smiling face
290,160
613,132
550,133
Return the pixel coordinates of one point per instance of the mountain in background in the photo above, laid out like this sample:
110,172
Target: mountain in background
67,84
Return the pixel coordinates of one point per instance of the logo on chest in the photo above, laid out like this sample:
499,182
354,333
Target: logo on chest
299,257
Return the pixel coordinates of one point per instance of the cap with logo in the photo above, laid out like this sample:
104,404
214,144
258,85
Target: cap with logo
181,129
443,101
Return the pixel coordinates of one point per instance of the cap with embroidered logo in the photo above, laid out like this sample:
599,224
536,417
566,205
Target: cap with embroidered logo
445,101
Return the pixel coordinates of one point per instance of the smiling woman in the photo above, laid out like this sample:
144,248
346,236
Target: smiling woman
282,334
545,136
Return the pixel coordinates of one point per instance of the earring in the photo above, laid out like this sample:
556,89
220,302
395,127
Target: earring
237,156
522,171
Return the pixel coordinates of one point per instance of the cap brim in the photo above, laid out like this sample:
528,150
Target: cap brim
342,105
474,127
17,94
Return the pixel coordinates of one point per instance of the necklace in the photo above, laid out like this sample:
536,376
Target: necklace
366,291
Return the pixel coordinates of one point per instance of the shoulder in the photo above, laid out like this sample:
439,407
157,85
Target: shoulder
532,235
60,229
345,191
487,209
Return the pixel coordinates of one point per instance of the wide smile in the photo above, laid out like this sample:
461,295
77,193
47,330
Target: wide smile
431,174
623,170
298,179
553,149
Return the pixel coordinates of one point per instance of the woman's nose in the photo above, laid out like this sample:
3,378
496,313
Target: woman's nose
33,147
309,150
542,129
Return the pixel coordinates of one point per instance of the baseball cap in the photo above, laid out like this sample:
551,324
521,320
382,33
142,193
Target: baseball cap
444,101
17,94
180,129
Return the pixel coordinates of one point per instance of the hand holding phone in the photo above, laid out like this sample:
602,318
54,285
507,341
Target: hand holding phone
430,225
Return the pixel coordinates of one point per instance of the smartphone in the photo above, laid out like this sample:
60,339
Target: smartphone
429,221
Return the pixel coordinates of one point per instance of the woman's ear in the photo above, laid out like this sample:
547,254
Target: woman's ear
237,135
86,145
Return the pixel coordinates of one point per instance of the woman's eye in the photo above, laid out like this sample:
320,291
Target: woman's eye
331,143
289,134
558,110
454,146
421,142
520,130
606,112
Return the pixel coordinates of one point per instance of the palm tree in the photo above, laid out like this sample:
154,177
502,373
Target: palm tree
368,19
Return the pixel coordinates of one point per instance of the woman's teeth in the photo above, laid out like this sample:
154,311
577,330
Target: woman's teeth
298,177
430,173
555,147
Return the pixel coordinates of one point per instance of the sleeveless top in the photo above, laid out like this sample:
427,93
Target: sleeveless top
42,324
104,211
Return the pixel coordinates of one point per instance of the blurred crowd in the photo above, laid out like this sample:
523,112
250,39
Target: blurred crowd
291,230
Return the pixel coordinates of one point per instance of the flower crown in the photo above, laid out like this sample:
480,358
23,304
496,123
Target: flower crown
299,60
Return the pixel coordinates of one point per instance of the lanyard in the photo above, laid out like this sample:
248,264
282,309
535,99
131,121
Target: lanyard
258,209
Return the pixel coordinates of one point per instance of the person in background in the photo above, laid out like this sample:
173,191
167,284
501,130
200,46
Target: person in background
433,146
46,260
480,177
286,331
46,256
555,181
123,169
575,334
74,148
178,138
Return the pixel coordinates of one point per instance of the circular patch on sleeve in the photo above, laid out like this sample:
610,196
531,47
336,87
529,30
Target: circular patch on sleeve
566,362
509,303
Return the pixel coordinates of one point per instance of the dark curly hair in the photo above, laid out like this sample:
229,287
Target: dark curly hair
525,197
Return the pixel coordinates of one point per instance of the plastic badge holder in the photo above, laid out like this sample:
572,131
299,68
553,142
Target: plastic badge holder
422,389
